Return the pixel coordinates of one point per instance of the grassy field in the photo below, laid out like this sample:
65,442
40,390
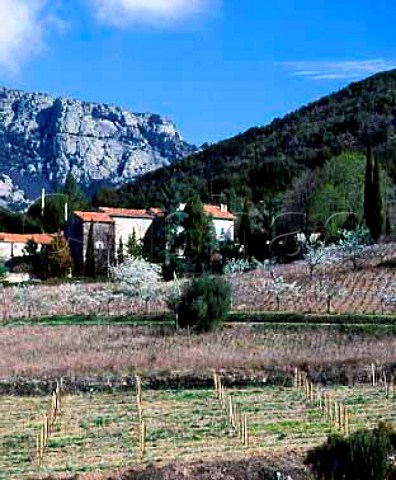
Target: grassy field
99,431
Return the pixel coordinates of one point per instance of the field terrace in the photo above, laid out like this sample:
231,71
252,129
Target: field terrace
47,352
251,291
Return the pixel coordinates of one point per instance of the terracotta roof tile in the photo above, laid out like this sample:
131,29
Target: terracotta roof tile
216,212
98,217
125,212
39,238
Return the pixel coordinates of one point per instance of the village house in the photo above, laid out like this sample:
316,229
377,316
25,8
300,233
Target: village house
127,221
103,232
13,244
223,221
114,226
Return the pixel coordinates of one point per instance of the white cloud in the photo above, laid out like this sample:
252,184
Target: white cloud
351,70
22,26
158,12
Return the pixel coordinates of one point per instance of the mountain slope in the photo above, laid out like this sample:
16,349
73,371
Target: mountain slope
42,138
265,160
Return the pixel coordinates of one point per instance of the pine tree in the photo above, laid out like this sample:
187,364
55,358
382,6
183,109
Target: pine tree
377,219
90,268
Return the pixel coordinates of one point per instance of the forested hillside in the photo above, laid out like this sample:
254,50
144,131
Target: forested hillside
263,162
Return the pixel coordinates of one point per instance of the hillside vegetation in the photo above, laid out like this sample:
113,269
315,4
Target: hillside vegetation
264,161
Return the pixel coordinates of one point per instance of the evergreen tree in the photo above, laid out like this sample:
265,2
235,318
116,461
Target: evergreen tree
90,267
245,230
120,251
368,189
58,257
134,246
75,196
199,235
377,220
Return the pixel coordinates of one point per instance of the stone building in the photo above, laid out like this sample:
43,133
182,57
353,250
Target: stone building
77,232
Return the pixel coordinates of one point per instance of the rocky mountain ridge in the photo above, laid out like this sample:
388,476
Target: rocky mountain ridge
43,138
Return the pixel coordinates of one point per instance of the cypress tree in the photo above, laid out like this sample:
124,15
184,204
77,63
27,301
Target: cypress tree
245,231
90,269
377,219
368,189
199,235
120,251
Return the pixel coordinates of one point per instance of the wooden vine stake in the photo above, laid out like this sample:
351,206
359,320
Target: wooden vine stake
373,374
386,385
142,439
245,432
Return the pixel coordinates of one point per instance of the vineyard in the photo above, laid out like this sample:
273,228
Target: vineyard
100,431
351,290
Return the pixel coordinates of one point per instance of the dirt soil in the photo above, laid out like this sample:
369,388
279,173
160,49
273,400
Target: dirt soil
257,468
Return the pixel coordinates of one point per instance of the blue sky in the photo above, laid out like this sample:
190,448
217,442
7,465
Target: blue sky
214,67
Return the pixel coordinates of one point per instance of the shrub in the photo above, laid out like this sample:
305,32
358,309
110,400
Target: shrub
364,455
205,303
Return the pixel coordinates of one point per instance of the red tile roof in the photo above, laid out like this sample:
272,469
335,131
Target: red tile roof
39,238
93,217
216,212
125,212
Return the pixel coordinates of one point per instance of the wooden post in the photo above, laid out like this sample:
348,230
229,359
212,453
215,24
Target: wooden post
295,385
231,411
311,392
142,431
346,421
319,393
373,373
38,447
340,422
138,390
215,382
245,431
42,442
386,385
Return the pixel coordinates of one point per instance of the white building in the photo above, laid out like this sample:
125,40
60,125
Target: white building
127,221
223,221
13,244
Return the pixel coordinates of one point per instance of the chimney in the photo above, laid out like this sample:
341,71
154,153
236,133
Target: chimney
223,207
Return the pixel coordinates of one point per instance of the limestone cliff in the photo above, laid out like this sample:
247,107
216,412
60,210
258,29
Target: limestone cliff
42,138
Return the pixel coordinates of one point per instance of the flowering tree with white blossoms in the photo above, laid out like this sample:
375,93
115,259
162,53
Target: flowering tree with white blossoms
328,290
387,294
280,288
316,254
353,244
138,278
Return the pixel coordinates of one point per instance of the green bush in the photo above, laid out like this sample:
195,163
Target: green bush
364,455
205,303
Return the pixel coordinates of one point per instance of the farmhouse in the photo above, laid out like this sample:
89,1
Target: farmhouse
103,232
13,244
223,221
113,226
127,221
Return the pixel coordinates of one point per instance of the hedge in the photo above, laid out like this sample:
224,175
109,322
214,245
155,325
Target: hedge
318,319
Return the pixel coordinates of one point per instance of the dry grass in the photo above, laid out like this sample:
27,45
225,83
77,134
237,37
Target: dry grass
65,350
